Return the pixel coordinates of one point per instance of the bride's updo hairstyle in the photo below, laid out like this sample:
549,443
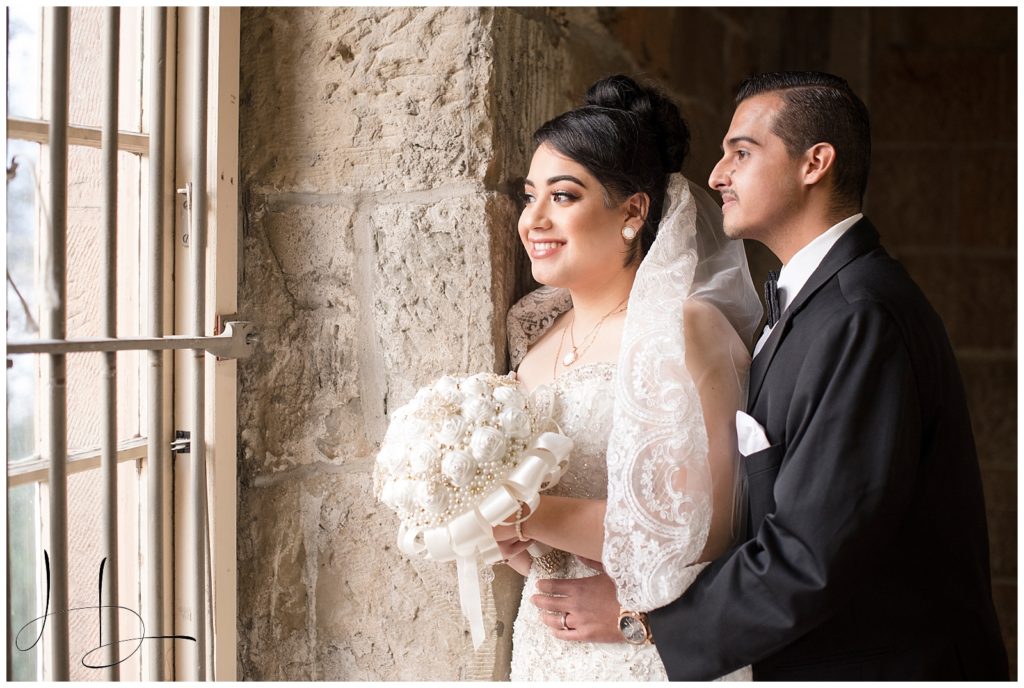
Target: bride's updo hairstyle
631,138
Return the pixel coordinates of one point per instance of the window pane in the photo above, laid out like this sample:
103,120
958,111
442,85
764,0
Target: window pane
84,292
22,219
22,303
85,552
131,223
86,106
27,521
25,60
86,97
85,284
24,48
23,550
130,81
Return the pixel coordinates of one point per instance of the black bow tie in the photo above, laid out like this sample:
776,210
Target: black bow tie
771,298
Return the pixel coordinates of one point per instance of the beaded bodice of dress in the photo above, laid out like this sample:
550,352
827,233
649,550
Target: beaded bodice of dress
583,409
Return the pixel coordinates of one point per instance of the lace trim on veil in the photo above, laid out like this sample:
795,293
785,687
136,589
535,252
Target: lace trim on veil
655,527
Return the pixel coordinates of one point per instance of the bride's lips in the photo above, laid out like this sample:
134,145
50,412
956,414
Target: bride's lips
545,249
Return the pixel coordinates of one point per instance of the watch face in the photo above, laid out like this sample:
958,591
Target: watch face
633,630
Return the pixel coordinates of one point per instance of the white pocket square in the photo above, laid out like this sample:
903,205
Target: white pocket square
750,435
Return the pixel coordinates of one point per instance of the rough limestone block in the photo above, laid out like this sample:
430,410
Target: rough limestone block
333,598
433,304
298,396
974,294
374,99
991,387
987,195
544,60
944,97
910,197
1004,594
380,615
437,305
963,28
273,640
1001,507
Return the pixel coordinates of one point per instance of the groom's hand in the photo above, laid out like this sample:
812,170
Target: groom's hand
590,604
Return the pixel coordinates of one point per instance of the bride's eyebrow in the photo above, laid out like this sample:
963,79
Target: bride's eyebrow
566,178
559,178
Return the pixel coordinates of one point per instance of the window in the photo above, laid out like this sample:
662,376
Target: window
29,36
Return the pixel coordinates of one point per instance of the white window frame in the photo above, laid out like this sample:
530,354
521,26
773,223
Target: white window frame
221,300
221,375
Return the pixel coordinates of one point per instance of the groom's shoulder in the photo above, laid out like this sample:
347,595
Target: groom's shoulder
877,277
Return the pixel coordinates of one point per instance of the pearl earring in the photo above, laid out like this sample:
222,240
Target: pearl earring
628,233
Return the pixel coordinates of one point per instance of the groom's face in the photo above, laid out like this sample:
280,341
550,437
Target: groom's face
757,177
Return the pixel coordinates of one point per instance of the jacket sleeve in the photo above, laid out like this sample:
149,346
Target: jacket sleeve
849,458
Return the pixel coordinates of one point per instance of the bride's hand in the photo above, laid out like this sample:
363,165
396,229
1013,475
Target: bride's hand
521,563
505,533
514,552
589,605
511,547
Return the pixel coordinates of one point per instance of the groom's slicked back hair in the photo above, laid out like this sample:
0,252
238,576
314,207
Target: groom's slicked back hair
820,108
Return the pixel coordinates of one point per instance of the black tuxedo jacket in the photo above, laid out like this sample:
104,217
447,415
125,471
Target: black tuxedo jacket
866,554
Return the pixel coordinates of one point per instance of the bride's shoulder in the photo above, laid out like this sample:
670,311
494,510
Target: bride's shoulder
709,335
701,317
531,316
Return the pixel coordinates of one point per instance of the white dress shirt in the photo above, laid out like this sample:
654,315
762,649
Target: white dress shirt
801,266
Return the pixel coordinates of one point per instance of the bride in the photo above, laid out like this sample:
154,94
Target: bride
638,338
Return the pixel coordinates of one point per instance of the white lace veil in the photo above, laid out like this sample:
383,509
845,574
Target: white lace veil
662,480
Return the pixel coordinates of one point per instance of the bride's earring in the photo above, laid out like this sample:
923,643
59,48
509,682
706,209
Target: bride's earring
628,233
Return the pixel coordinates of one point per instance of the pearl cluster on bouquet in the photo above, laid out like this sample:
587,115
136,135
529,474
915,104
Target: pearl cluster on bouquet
452,443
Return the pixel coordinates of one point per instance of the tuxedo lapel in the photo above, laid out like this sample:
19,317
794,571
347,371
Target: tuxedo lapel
858,240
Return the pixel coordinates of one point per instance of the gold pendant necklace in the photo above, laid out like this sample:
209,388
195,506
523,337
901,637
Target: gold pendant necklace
575,352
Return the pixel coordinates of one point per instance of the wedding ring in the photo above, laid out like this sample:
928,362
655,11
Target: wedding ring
564,626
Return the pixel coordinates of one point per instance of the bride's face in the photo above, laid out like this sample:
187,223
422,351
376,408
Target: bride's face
573,237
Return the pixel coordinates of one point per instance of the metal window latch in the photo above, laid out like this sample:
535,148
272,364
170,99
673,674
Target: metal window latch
240,337
186,191
182,443
236,340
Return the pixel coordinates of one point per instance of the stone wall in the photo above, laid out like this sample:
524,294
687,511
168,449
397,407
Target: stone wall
381,151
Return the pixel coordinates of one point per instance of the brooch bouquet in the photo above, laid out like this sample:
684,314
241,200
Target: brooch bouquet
460,458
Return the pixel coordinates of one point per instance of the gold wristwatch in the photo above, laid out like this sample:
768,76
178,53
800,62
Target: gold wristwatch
634,627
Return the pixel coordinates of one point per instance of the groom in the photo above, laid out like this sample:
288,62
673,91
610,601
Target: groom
866,550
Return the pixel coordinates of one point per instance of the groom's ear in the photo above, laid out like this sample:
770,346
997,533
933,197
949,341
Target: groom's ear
819,160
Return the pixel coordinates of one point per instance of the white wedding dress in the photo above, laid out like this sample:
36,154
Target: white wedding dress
583,399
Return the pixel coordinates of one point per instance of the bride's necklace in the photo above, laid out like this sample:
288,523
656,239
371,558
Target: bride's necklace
575,352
